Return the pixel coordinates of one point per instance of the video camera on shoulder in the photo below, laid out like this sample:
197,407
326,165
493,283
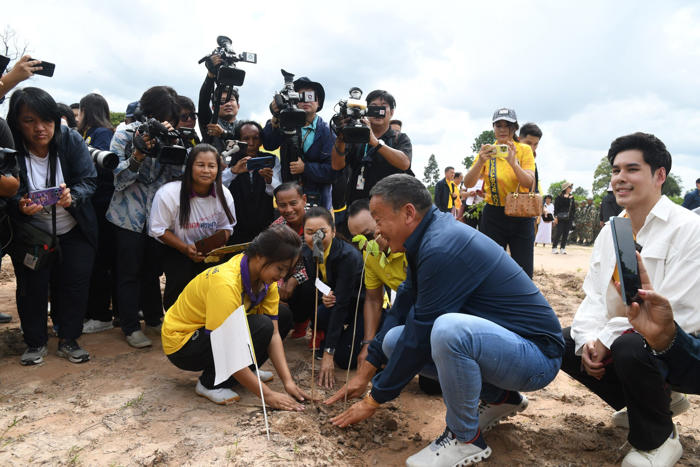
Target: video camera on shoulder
163,149
348,118
291,117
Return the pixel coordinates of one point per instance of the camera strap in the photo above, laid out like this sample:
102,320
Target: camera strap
53,162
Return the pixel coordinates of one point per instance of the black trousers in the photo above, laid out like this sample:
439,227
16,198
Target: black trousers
302,300
196,354
179,271
517,233
561,233
68,280
103,284
138,279
635,379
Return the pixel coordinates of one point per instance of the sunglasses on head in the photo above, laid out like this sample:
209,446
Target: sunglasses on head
188,116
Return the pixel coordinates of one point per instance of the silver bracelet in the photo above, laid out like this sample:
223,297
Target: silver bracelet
658,353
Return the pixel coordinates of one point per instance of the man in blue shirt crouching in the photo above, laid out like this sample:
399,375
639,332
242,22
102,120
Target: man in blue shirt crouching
484,336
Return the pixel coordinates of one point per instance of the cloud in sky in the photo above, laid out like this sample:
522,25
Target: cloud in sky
585,72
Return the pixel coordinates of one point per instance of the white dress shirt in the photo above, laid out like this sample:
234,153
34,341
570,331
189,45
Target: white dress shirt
670,240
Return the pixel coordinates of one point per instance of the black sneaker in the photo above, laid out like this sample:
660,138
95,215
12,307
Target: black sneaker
5,318
70,349
34,355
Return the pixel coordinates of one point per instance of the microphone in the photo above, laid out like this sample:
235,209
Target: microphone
317,239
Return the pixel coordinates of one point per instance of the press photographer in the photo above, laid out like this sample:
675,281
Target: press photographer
143,148
305,143
384,154
218,94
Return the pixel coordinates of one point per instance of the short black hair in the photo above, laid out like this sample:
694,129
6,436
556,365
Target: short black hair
276,243
234,93
396,122
697,181
318,211
458,174
530,129
289,186
449,167
547,196
160,102
381,94
237,131
67,113
358,206
185,103
401,189
653,150
75,105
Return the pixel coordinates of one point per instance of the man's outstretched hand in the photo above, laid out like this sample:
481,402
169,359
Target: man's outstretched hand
357,386
356,413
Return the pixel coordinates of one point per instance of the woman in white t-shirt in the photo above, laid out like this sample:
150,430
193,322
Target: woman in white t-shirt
187,211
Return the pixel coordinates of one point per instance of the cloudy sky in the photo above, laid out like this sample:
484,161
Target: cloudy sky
586,72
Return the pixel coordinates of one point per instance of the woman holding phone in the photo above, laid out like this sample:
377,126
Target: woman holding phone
187,212
51,155
249,280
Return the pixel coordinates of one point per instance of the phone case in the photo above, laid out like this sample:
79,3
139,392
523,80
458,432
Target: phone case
47,197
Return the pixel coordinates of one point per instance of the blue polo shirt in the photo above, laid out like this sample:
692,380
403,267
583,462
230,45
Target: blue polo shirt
490,285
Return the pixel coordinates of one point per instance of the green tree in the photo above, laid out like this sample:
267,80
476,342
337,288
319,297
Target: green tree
580,192
116,118
431,173
486,137
672,186
601,177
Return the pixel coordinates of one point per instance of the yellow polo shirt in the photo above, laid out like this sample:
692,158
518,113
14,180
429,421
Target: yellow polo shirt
458,199
208,300
499,177
392,274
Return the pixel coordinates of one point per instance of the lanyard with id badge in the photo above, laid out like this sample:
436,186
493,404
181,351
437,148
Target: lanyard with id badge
365,162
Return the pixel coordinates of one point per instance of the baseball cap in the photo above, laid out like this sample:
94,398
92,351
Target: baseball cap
504,114
131,108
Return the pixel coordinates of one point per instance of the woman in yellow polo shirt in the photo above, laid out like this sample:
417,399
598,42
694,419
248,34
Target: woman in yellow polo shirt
502,172
249,279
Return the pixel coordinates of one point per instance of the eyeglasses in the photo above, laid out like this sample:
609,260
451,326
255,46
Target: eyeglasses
188,116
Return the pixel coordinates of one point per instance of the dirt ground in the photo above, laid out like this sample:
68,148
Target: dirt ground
132,407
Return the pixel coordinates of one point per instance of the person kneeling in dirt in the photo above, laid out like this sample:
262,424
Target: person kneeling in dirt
602,351
485,335
209,299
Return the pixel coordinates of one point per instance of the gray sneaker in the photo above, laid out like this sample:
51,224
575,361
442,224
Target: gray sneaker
34,355
265,376
138,339
94,325
70,349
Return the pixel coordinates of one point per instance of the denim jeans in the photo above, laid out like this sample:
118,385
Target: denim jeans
474,358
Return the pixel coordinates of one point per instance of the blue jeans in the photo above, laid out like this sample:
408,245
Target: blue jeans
474,358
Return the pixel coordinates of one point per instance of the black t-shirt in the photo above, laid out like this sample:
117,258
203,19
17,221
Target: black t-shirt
364,160
6,140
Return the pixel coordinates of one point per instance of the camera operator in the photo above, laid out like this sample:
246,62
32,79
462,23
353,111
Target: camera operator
313,166
187,121
137,178
252,190
384,155
97,131
216,134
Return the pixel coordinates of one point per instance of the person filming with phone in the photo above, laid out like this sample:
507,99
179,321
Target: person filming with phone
603,351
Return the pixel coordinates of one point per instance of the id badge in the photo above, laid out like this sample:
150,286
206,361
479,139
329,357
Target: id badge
30,261
361,180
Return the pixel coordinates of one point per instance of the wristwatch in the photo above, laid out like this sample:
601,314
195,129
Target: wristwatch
329,350
380,143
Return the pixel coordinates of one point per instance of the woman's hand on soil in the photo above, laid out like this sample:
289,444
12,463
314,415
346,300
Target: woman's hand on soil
279,400
296,392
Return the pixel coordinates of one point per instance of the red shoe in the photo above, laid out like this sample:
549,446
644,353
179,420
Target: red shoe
316,343
300,329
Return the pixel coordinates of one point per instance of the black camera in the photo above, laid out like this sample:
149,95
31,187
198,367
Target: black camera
289,115
348,118
227,75
8,162
162,149
235,151
104,159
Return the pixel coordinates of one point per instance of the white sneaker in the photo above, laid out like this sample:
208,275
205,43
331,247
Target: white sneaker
447,451
138,339
222,396
679,404
491,414
94,325
562,251
665,455
266,376
554,251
